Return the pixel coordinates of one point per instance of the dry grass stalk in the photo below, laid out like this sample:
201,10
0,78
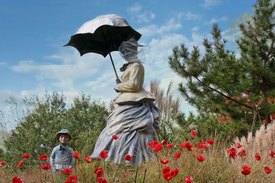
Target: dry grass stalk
261,143
169,106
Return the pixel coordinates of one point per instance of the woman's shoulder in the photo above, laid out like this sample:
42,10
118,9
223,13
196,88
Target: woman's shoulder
136,65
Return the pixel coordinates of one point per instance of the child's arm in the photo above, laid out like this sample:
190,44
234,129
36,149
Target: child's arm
52,159
71,163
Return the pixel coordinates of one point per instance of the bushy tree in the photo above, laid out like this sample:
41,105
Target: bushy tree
35,133
240,88
86,122
257,57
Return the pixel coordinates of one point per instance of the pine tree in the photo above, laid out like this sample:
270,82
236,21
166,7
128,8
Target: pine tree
231,86
257,49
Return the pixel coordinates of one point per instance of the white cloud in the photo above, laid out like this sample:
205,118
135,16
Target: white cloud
148,30
139,16
145,17
71,68
153,30
195,29
136,8
157,66
210,3
160,49
101,82
189,16
4,96
215,20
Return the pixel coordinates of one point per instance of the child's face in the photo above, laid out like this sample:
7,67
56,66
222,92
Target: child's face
64,138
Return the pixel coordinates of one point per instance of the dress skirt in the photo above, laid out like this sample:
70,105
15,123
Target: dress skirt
135,126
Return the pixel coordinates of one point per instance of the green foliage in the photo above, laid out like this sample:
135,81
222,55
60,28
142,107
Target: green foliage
1,153
175,126
35,134
221,82
170,131
209,127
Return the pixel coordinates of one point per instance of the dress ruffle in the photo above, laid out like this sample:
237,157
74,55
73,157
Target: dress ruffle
135,125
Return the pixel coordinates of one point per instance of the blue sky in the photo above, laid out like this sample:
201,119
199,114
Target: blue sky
33,59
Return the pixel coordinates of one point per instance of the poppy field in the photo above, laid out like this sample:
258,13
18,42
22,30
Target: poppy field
250,160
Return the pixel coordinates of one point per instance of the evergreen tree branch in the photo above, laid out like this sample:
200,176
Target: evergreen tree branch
228,97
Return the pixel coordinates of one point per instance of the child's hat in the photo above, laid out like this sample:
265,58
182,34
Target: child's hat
63,131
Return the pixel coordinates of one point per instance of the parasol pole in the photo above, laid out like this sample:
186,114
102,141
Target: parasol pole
113,65
110,56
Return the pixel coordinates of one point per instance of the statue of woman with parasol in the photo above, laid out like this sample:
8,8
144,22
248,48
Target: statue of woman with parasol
134,120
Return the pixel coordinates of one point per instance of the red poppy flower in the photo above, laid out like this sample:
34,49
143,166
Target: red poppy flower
166,169
20,163
164,161
115,137
258,157
167,176
101,180
267,169
158,147
174,172
26,155
242,153
128,157
46,166
188,179
72,179
88,159
164,142
17,180
232,152
187,144
2,163
202,145
43,157
169,146
210,141
272,153
246,170
193,133
76,155
103,154
238,145
177,155
67,171
153,143
98,172
200,158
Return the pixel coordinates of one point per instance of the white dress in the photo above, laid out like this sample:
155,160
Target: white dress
134,120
